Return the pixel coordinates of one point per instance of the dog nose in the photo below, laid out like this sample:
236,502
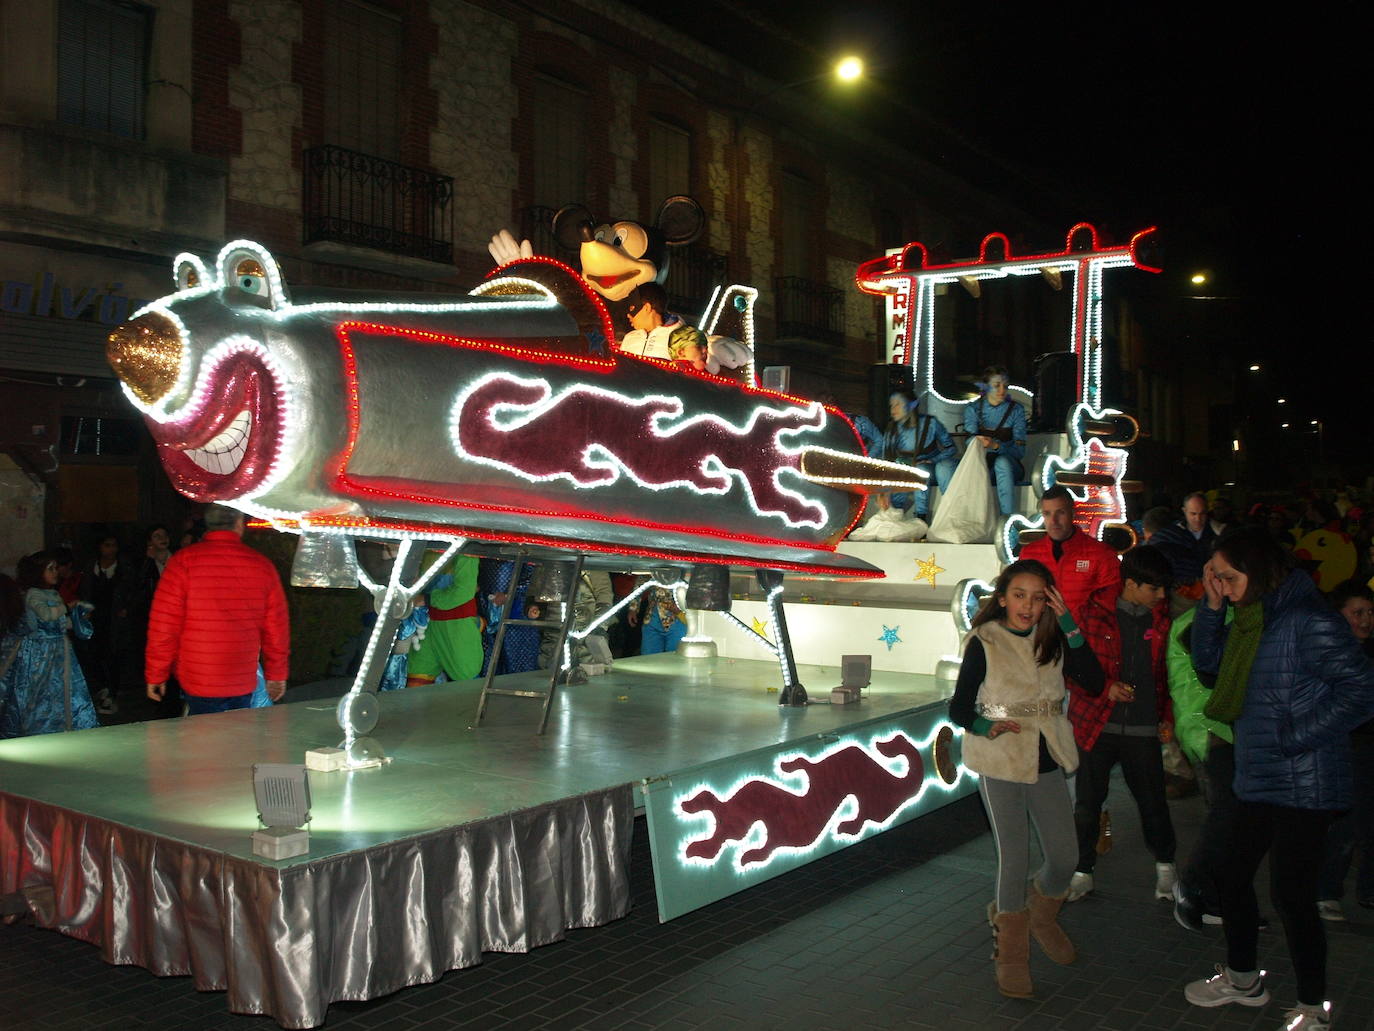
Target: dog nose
146,354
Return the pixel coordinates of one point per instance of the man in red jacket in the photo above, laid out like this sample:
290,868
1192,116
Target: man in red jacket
219,605
1080,564
1127,627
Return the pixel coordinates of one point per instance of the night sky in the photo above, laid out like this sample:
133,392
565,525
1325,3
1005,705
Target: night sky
1236,133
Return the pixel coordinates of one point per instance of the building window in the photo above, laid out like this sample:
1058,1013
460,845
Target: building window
670,161
362,77
102,59
94,436
797,213
560,142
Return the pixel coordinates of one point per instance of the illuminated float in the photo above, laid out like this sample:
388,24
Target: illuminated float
492,421
904,619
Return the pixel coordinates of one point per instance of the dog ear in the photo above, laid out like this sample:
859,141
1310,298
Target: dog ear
571,225
680,220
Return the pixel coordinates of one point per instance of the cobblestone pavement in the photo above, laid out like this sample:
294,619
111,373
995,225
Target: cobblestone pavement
887,934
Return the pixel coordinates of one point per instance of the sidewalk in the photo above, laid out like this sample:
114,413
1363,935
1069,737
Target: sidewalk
887,934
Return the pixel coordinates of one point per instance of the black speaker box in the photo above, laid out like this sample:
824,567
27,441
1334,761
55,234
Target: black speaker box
883,381
1056,391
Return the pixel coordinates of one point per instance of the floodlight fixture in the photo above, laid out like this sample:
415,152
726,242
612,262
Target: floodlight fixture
282,794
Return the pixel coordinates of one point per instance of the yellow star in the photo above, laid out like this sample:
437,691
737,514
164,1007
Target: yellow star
926,568
761,628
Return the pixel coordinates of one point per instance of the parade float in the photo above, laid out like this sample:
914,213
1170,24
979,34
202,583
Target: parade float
913,618
507,423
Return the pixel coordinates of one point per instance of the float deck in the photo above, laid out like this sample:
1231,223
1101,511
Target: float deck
136,838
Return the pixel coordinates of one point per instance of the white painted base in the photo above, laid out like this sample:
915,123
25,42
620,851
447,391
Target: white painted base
904,621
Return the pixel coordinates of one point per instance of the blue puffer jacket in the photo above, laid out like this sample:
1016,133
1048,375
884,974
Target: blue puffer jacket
1310,685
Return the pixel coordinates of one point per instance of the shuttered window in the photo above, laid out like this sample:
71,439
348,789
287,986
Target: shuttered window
362,79
102,60
797,212
560,142
670,162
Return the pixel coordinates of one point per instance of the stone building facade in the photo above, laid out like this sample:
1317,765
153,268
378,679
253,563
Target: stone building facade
377,145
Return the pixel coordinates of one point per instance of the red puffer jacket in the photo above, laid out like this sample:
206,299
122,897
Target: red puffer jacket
218,605
1085,565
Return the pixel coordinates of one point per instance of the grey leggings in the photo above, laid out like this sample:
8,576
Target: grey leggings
1011,809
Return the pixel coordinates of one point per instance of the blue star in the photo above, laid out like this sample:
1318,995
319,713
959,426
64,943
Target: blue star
889,636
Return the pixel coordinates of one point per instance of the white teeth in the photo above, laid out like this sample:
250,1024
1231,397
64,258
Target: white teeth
223,453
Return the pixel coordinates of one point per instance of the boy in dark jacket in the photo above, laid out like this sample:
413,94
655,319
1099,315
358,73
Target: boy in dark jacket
1127,627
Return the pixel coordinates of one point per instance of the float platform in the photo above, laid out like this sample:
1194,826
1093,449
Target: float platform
136,838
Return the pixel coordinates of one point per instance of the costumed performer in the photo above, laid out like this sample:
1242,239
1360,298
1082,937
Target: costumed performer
998,425
42,688
453,640
1010,701
520,646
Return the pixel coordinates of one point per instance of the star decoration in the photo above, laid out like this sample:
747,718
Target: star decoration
760,628
926,568
889,636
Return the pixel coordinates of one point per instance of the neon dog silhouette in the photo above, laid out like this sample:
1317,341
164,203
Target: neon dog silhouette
793,820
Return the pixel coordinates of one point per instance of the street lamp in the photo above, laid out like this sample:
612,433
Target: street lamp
849,69
1254,368
1198,278
1283,400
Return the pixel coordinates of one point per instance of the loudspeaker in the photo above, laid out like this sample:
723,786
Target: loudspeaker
1056,391
883,381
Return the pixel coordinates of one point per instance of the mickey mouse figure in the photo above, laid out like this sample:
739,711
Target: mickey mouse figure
616,257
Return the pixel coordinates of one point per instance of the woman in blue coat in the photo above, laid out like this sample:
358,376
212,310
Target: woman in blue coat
1290,677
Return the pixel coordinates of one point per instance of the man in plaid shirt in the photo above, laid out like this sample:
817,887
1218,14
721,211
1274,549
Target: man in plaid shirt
1127,627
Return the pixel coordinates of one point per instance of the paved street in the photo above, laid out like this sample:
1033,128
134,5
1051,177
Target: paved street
884,935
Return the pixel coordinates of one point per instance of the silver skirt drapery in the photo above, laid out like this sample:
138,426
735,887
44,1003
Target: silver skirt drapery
285,940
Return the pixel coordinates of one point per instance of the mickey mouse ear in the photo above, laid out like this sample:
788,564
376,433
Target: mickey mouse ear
680,220
569,224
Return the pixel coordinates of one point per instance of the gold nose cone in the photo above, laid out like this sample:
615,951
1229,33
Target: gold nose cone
146,354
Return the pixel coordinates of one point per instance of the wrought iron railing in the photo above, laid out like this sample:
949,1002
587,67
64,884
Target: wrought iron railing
371,202
536,226
809,310
694,272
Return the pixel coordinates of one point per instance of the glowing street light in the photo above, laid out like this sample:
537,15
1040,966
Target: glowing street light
1283,400
1198,278
849,69
1254,368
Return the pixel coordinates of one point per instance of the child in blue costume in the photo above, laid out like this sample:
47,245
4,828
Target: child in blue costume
42,688
999,424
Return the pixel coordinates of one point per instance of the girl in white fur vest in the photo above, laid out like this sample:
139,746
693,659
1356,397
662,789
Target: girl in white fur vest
1010,700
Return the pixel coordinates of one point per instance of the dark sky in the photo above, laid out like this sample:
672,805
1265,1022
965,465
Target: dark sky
1235,132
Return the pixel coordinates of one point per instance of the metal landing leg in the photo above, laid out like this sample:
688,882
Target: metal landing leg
358,710
793,693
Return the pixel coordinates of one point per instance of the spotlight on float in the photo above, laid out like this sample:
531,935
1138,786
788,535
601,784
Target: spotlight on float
282,793
708,591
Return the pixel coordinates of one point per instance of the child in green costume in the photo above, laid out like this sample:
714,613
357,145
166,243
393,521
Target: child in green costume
453,642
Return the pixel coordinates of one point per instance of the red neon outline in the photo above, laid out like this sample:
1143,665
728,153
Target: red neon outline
562,543
896,264
346,485
511,268
1006,248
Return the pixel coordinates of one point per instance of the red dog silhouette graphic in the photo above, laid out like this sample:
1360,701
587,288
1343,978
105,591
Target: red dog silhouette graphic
792,820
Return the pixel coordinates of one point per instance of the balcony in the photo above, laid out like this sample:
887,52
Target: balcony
694,273
809,311
366,201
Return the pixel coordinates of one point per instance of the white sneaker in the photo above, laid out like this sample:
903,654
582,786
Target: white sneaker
1166,876
1081,884
1330,909
1220,988
1307,1018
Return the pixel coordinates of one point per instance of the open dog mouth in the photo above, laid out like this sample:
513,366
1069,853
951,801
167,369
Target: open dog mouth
223,453
224,446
